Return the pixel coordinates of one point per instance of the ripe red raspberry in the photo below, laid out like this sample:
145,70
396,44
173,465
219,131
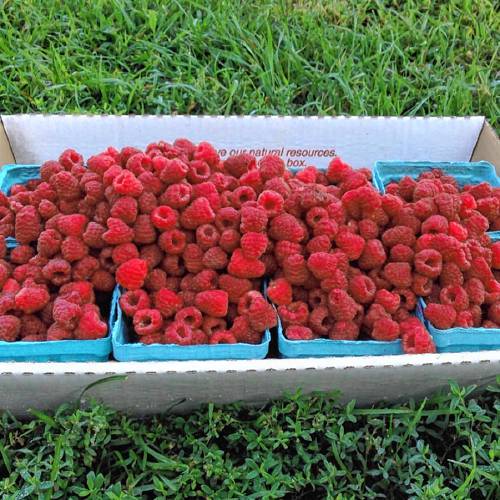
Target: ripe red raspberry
167,302
456,296
341,305
317,298
69,158
385,329
66,314
428,263
253,220
7,300
215,258
280,292
49,168
125,208
147,202
173,242
238,165
253,245
10,327
476,224
204,280
464,320
139,163
82,288
144,231
58,332
193,258
124,252
118,232
338,170
435,224
235,287
90,325
21,254
207,236
190,316
320,243
73,249
362,289
134,300
422,285
475,290
442,316
388,300
401,253
49,243
271,166
351,244
368,229
213,325
243,267
284,249
398,274
286,227
57,271
127,184
415,338
272,202
164,218
222,337
344,330
31,299
72,225
131,274
93,235
178,333
494,312
326,227
156,280
458,231
322,264
373,255
295,313
177,196
198,171
299,332
32,328
199,212
206,152
103,280
27,225
398,235
66,186
100,163
320,321
212,302
242,331
295,269
147,321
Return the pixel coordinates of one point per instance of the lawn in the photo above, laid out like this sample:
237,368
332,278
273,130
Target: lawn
300,58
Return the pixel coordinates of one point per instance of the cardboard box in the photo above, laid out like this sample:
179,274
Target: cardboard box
154,386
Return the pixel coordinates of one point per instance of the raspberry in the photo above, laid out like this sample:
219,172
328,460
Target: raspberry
475,290
204,280
90,326
144,231
147,321
494,312
21,254
82,288
127,184
212,302
66,314
146,203
337,170
388,300
442,316
124,252
385,329
156,280
235,287
27,226
66,186
167,302
103,280
6,301
320,243
271,166
362,289
435,224
178,333
73,249
242,331
193,258
320,320
253,220
30,300
49,243
375,313
407,297
428,263
272,202
173,242
227,218
93,235
326,227
299,332
295,313
391,204
253,245
72,225
49,168
207,236
199,212
243,267
198,172
164,218
416,339
57,271
125,209
401,253
295,269
177,195
58,332
317,298
489,324
222,337
373,255
495,258
422,285
118,232
398,235
368,229
131,274
451,275
32,327
100,163
215,258
456,296
284,249
213,325
464,320
476,225
134,300
351,244
190,316
69,158
286,227
238,165
344,330
342,306
9,328
280,292
398,274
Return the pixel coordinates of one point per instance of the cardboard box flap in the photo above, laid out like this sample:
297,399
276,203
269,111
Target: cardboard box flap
300,140
488,146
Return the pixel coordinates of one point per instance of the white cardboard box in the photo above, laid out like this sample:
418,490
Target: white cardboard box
154,386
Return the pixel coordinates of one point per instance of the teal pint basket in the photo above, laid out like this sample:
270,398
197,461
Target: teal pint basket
124,350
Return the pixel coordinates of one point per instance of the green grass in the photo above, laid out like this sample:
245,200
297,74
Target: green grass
447,447
416,57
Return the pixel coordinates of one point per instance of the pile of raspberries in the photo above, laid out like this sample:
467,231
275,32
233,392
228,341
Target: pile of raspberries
191,238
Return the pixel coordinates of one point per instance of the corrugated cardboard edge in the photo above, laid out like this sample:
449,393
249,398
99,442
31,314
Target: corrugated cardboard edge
6,153
487,146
